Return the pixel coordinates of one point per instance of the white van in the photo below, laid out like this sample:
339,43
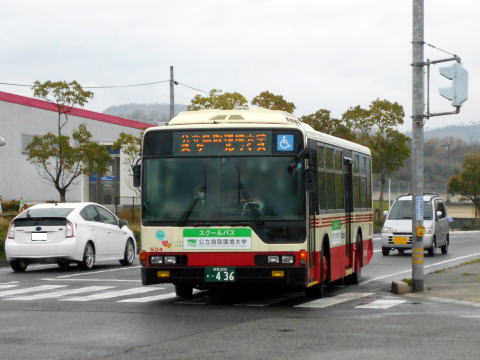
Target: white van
397,229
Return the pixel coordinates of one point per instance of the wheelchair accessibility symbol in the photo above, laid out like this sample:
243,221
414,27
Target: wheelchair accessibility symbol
285,143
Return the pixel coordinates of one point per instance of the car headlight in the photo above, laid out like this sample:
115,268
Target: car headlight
429,230
170,259
387,229
273,259
156,259
287,259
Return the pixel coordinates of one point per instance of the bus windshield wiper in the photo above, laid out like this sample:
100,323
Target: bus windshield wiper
199,195
251,205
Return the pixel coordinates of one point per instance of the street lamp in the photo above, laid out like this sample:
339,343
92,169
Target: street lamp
2,141
448,167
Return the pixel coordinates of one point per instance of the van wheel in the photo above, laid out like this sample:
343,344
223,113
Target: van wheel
433,249
444,248
385,251
18,265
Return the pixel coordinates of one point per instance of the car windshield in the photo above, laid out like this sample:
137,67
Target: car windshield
224,189
45,212
402,209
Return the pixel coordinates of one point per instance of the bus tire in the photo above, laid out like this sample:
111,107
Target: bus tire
318,291
354,278
184,290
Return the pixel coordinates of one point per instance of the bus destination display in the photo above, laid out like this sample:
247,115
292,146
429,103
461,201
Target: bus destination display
204,143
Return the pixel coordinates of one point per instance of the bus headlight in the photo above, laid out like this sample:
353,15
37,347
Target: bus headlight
154,260
170,259
273,259
287,259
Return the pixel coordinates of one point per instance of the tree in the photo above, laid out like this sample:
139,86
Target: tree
323,122
467,183
217,100
376,126
271,101
130,145
60,163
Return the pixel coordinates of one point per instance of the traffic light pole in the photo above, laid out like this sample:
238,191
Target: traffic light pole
418,104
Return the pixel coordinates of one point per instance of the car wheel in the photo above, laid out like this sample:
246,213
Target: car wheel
385,251
88,257
18,265
433,249
184,290
64,265
129,255
444,248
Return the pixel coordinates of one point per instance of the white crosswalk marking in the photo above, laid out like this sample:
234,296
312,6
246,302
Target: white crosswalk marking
61,293
149,298
7,286
111,294
329,301
31,289
381,304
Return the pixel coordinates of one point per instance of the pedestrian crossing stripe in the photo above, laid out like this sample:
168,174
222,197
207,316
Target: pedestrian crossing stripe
13,292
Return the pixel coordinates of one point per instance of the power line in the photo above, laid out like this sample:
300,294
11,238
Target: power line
191,87
97,87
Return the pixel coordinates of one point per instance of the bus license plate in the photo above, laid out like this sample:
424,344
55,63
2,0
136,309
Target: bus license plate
400,240
219,274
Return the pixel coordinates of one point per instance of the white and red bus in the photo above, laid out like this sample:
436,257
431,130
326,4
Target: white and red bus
235,197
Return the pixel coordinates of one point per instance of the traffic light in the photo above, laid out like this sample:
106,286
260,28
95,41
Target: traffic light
458,92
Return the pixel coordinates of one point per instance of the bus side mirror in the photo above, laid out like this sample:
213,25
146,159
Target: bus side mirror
137,170
310,180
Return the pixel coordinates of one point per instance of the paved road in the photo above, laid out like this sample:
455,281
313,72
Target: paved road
107,314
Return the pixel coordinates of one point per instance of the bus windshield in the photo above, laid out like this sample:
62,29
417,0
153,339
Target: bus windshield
402,210
204,191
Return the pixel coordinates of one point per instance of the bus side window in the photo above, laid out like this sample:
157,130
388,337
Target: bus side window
322,201
330,178
339,189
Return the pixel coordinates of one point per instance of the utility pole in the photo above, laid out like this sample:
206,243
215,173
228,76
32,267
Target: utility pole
418,103
172,97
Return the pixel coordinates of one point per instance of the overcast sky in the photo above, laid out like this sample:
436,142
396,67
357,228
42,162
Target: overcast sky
317,53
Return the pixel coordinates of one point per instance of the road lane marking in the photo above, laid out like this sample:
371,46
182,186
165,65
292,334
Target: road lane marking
381,304
88,279
334,300
97,272
8,286
426,266
111,294
149,298
60,293
30,289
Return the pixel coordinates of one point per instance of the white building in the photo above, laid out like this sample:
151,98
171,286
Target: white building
22,117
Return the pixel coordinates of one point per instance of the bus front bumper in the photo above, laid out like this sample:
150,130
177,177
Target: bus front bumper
292,276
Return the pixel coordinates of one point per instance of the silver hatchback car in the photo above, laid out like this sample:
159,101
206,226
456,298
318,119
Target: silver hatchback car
397,229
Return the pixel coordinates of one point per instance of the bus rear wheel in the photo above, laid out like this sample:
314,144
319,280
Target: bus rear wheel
184,290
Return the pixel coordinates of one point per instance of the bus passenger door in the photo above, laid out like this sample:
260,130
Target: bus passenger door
348,181
313,258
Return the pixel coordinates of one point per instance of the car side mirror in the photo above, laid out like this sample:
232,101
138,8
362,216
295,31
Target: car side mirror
439,214
122,223
385,213
137,170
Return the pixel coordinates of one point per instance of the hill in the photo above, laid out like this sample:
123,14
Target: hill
153,113
468,133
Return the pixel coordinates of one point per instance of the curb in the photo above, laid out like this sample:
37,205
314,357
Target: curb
444,300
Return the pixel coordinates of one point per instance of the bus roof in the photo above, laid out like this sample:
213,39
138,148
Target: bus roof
255,118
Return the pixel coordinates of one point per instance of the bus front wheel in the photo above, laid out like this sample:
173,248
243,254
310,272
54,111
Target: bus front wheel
184,290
